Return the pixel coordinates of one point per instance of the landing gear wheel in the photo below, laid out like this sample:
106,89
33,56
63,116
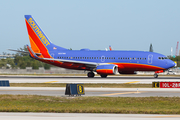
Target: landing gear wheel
103,76
155,75
90,74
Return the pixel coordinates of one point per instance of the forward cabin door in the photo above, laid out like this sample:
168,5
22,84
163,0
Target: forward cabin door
150,59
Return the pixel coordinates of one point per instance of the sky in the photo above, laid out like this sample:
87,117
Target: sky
94,24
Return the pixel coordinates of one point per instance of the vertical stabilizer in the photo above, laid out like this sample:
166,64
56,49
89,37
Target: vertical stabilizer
38,40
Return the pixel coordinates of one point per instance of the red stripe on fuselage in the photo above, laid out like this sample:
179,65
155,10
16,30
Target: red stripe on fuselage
137,67
37,41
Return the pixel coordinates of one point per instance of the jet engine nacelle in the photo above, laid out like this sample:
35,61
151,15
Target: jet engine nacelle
108,69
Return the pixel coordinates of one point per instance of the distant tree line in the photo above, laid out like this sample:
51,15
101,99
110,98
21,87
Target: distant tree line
22,60
175,59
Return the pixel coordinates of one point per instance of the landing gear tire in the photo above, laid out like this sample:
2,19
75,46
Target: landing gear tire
90,74
103,76
155,75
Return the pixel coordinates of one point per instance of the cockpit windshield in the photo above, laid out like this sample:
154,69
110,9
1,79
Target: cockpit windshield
162,58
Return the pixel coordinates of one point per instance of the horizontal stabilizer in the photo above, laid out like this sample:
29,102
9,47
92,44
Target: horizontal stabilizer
26,52
19,51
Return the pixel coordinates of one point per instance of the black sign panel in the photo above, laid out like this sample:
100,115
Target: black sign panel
155,84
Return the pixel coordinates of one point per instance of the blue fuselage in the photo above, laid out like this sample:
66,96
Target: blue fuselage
127,60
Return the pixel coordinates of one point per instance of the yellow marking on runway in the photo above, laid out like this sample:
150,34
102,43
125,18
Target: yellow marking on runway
118,93
51,82
132,82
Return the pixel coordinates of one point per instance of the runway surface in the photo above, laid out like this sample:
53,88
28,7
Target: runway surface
110,92
84,116
106,92
84,79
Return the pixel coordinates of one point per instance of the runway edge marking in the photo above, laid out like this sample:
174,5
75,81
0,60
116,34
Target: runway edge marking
51,82
119,93
132,82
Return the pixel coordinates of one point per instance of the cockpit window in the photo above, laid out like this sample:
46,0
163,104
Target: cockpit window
162,58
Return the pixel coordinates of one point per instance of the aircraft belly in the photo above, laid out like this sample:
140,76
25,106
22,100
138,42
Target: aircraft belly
136,67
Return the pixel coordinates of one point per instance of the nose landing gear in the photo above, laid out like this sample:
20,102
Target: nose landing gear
155,75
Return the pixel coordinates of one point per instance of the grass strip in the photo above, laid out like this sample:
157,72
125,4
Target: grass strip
85,85
125,105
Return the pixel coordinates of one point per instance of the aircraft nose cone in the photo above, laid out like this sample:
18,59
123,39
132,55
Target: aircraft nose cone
172,64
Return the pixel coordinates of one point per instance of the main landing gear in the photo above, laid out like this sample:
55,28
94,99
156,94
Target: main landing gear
155,75
90,74
103,76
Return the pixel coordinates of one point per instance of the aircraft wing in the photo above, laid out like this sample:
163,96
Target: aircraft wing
88,64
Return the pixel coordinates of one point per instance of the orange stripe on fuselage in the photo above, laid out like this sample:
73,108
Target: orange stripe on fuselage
37,41
137,67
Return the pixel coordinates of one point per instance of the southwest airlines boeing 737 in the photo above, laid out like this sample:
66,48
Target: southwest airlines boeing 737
102,62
